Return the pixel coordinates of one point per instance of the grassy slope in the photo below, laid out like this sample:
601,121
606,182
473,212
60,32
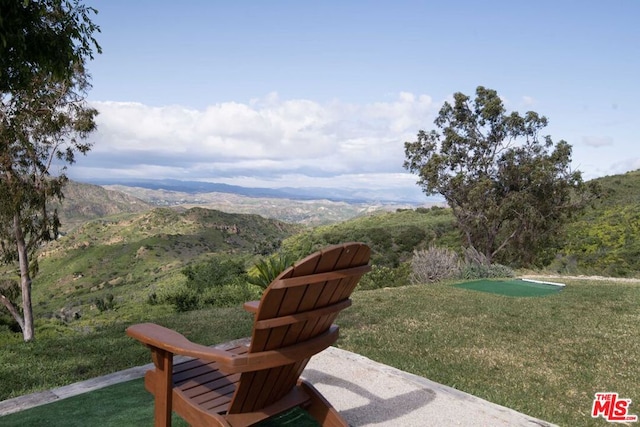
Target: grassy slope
543,356
134,255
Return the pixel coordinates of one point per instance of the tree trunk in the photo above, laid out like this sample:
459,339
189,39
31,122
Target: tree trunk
25,281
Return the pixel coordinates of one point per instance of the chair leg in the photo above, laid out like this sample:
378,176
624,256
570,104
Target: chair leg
163,386
320,408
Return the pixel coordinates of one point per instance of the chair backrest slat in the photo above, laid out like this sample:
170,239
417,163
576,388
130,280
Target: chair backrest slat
301,303
302,316
318,277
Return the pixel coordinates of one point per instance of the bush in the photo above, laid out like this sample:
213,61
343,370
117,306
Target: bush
217,271
105,304
231,295
218,282
183,299
482,271
385,277
433,265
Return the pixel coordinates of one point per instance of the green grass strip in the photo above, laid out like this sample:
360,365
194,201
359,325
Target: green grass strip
511,288
124,404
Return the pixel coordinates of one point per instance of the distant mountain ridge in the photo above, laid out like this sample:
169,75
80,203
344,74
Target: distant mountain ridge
360,195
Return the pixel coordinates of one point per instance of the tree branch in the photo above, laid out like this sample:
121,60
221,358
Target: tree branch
13,310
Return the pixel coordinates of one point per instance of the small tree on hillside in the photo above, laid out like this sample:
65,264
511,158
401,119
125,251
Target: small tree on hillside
510,189
44,120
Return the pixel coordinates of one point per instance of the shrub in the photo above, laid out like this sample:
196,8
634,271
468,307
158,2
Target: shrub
105,304
433,265
384,277
231,295
218,282
152,299
183,299
217,271
482,271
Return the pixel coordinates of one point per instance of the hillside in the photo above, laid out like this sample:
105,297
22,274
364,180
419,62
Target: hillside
623,189
121,261
130,256
606,239
84,202
392,236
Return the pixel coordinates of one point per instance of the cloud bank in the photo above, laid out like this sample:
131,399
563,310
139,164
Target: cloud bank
273,142
267,142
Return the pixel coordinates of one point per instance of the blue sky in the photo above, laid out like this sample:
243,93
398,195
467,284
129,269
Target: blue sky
284,93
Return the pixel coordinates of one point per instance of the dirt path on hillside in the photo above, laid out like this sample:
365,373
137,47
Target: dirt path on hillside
607,279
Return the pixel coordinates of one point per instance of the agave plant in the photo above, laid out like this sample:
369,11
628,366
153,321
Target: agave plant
264,271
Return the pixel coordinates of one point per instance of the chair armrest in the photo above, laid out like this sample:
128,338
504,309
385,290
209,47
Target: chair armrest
159,337
251,306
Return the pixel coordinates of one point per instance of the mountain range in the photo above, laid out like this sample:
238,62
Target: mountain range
412,195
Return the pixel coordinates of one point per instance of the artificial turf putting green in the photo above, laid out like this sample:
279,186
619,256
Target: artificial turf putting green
511,288
120,405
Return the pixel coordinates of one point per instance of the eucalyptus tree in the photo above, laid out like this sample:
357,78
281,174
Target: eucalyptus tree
44,122
510,188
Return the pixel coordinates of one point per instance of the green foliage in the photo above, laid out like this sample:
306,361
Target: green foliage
606,240
232,294
215,272
509,189
381,276
44,121
43,36
183,299
11,290
218,282
136,255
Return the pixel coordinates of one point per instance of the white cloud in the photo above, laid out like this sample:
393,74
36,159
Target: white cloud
597,141
270,141
528,101
630,164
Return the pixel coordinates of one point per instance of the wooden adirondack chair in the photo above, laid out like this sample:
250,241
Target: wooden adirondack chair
249,383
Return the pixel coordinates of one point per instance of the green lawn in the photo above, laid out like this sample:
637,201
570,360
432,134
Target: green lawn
544,356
